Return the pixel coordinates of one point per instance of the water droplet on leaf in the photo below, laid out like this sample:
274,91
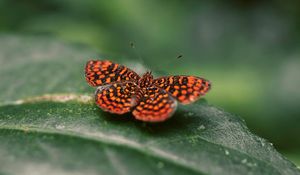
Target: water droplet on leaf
58,126
201,127
160,164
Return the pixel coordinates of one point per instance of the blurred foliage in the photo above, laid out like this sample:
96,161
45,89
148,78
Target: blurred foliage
248,49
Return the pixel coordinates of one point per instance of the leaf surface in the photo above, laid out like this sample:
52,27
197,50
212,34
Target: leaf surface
49,125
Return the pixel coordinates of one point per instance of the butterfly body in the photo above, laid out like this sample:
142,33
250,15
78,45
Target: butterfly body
146,80
121,90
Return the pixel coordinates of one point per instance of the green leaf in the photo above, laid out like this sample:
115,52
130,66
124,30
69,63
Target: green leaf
48,125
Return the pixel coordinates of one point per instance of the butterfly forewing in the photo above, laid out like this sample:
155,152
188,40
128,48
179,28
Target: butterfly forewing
118,98
186,89
155,105
101,72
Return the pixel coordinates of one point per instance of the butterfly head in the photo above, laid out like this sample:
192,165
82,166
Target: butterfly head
146,80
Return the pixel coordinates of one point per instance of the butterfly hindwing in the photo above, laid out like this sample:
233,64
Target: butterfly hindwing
101,72
186,89
155,105
118,98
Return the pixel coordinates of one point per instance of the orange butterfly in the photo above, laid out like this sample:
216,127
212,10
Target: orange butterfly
121,90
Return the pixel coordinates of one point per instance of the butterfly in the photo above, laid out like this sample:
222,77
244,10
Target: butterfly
121,90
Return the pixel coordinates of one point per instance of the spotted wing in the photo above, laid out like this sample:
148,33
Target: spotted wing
186,89
101,72
156,105
118,98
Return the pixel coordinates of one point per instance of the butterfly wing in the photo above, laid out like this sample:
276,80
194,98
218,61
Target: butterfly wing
101,72
118,98
186,89
156,105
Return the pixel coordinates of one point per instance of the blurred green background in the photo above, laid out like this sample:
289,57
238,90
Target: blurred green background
249,49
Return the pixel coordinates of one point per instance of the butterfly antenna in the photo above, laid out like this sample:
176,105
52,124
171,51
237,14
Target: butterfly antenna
172,61
137,54
179,56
